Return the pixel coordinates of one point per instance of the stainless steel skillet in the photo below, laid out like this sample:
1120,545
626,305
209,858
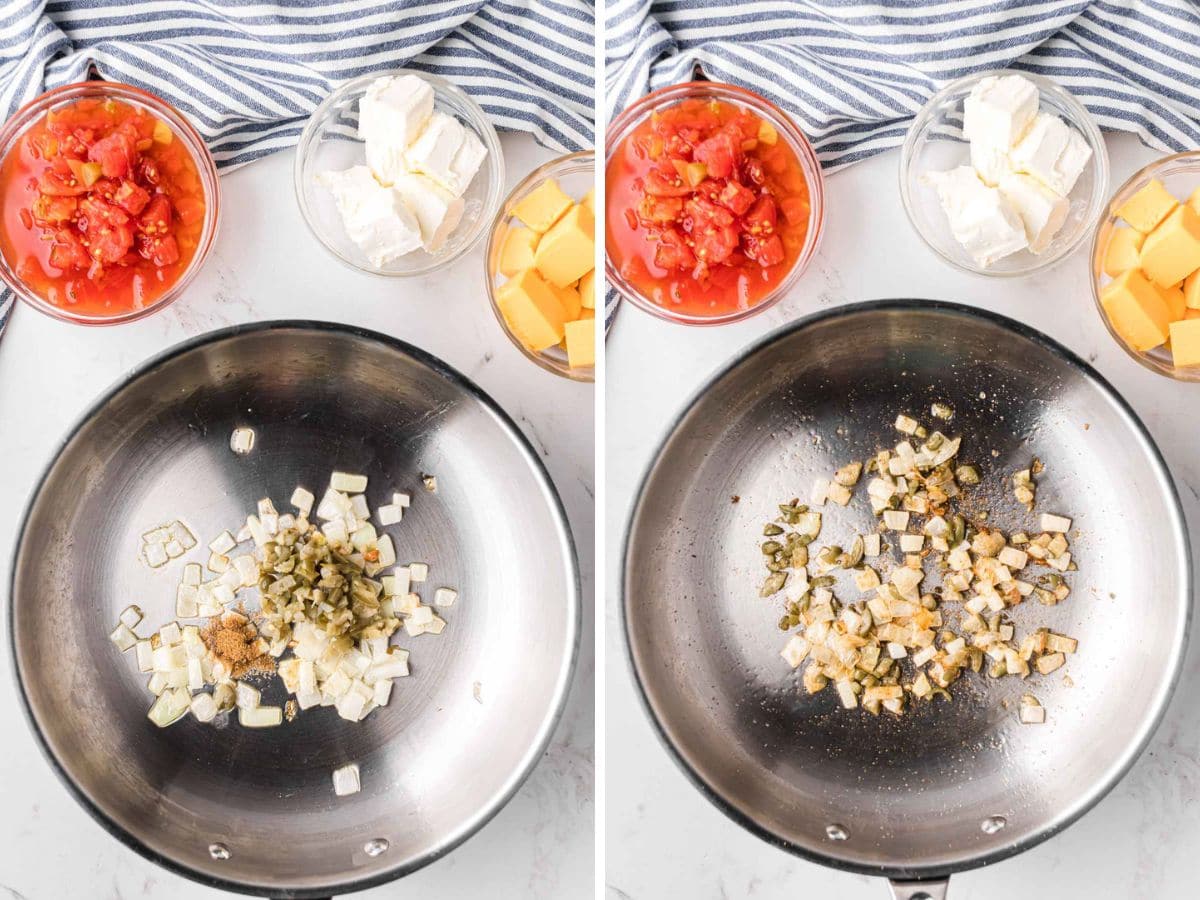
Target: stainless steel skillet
254,810
950,786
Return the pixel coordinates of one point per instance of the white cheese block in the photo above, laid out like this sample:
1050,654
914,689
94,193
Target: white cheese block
434,150
999,110
990,160
980,218
466,162
1071,163
1042,210
437,211
391,114
1052,152
374,216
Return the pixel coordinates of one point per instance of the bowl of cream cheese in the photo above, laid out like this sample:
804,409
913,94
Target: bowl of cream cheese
1003,173
399,173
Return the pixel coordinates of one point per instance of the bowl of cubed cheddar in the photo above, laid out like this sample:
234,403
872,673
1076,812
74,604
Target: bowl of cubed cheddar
541,275
1146,266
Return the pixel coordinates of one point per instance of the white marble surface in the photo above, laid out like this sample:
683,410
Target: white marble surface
663,838
267,266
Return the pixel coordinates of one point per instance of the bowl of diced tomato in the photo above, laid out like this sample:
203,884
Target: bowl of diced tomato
108,203
714,203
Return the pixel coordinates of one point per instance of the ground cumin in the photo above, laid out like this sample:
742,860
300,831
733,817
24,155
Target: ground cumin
233,639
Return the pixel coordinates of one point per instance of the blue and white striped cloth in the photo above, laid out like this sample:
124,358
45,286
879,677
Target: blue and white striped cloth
248,74
852,74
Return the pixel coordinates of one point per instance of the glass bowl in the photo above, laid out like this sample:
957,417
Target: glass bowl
27,116
658,100
1180,174
330,141
934,144
576,175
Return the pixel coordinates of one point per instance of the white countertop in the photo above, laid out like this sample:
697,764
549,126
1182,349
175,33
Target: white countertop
663,838
266,265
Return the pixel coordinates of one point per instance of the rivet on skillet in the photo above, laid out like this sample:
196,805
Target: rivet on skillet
376,846
993,824
836,832
219,851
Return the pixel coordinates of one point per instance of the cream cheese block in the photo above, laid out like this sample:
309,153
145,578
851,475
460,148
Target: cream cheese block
999,110
437,211
375,217
1042,211
391,114
980,218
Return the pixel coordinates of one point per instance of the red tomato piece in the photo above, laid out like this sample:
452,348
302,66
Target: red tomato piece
706,213
101,212
762,216
116,154
51,210
673,252
659,210
157,217
715,244
131,197
736,198
57,184
110,244
721,153
67,251
766,251
658,184
162,251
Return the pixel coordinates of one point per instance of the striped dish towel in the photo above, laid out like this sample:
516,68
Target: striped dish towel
248,74
853,74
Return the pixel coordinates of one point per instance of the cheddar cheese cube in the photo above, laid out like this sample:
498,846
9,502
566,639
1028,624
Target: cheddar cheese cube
1173,297
1191,290
1171,252
517,251
571,303
589,200
587,289
1148,207
1194,200
1185,342
1122,251
581,343
565,252
532,311
543,206
1136,311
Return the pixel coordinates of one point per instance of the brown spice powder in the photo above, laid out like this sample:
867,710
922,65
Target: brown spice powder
233,639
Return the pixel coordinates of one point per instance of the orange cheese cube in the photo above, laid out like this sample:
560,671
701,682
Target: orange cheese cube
1191,314
543,206
516,253
1171,252
532,311
1136,311
589,200
1194,200
1148,207
587,289
1185,342
566,252
1173,297
591,313
1191,290
1122,251
581,343
568,297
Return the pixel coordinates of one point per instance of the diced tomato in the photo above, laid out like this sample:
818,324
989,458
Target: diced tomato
678,147
100,212
67,251
659,184
795,209
755,173
736,198
762,216
673,252
157,217
50,210
56,184
715,244
110,243
766,251
659,210
131,197
721,153
707,213
162,251
116,154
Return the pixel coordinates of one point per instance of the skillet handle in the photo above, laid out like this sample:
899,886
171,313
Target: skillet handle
919,890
